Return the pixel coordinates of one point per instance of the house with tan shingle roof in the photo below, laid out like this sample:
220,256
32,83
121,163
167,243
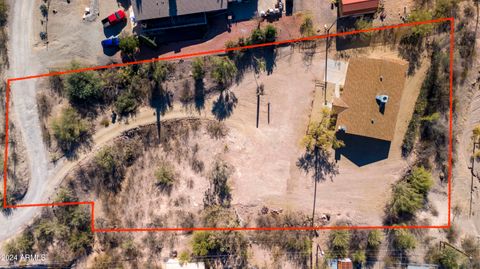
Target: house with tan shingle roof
370,101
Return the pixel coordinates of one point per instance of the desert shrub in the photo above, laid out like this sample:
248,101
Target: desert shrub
105,122
102,261
452,233
257,36
295,245
363,24
339,242
129,44
126,103
270,33
165,175
359,257
83,88
223,70
374,239
448,259
3,12
69,129
198,68
307,27
471,247
404,240
445,8
217,129
109,165
219,192
19,246
160,70
44,106
405,201
130,249
184,257
227,246
421,15
421,180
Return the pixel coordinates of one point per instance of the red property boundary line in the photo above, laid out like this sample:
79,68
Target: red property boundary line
218,51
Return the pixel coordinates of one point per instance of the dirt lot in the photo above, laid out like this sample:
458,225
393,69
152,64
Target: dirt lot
265,159
72,38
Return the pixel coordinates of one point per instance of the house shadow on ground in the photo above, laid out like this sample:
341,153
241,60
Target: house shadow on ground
362,150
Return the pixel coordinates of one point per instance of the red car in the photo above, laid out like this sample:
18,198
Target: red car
114,18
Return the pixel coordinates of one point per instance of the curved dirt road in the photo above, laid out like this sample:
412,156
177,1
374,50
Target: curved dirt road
24,113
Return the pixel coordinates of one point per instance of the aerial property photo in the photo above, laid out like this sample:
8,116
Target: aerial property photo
240,134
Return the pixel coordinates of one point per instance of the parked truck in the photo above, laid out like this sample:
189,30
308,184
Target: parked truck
114,18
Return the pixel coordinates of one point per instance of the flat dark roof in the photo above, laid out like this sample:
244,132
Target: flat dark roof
154,9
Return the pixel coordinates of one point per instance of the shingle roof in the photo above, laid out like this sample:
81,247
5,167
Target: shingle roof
153,9
362,85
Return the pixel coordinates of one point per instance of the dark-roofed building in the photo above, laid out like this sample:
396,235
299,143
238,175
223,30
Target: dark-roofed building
158,15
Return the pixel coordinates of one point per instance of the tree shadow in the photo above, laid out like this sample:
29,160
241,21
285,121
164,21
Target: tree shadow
245,60
199,95
224,105
410,48
161,101
319,163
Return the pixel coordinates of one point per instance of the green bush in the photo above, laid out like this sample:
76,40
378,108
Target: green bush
257,36
339,243
129,44
126,103
270,33
406,200
374,239
307,27
69,129
448,258
223,70
445,8
404,240
224,246
421,180
421,15
165,175
83,88
106,160
198,68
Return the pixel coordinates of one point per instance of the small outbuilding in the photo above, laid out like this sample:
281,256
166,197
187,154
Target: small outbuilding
357,7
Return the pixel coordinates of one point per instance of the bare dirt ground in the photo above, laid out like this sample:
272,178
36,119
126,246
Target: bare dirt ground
72,38
265,159
462,178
